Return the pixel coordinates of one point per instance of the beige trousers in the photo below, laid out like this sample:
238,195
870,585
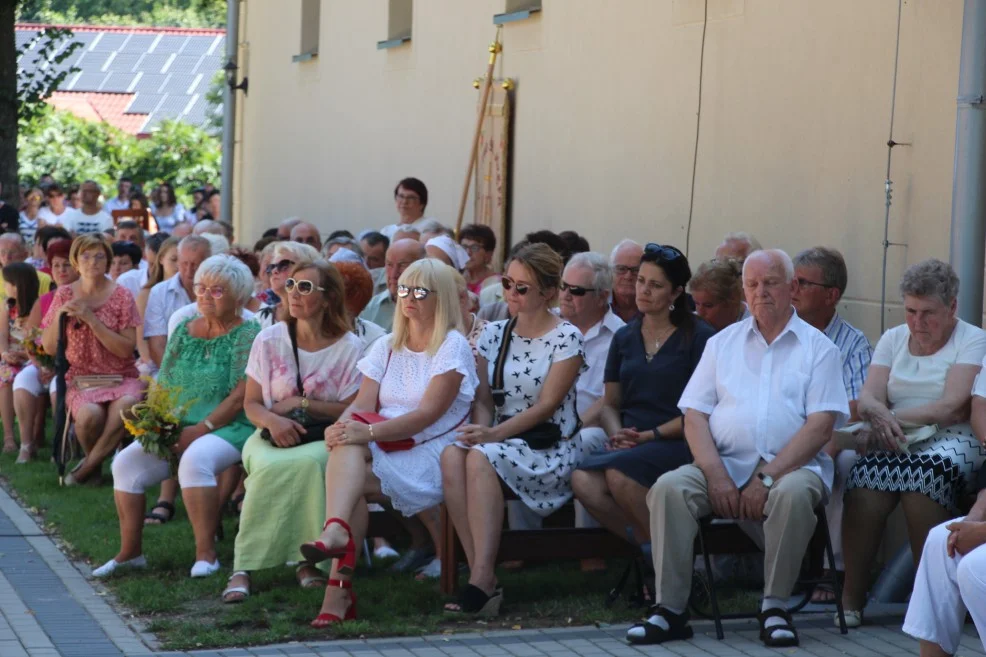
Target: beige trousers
681,497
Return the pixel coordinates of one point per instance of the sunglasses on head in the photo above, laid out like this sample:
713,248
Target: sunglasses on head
576,290
280,267
419,293
304,287
520,287
663,253
214,291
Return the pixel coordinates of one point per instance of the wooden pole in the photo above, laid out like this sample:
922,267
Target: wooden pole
495,48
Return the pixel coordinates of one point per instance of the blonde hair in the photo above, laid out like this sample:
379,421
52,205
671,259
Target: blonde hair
723,278
89,242
440,279
295,251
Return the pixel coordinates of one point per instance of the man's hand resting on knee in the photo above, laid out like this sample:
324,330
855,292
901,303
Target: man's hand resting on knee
724,496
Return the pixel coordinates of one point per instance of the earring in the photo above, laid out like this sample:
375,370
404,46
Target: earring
671,308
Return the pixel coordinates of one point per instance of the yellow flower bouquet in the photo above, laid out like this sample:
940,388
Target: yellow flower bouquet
36,351
156,422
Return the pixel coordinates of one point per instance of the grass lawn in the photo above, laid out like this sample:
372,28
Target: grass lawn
187,613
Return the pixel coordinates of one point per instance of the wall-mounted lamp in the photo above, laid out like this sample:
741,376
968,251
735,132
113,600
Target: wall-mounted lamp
230,69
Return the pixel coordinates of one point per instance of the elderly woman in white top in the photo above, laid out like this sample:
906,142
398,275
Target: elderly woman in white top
205,359
445,249
283,259
422,380
922,373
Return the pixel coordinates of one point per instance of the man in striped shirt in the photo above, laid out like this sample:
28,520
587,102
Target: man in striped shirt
822,277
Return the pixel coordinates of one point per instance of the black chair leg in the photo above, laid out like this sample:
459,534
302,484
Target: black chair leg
716,616
836,584
614,594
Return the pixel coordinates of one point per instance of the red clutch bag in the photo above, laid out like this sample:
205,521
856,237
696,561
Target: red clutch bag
386,446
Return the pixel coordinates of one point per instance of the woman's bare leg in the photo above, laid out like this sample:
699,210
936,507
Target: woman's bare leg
130,509
593,492
485,499
454,485
26,409
632,499
202,505
108,439
863,521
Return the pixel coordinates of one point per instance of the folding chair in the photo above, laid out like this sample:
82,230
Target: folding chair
713,533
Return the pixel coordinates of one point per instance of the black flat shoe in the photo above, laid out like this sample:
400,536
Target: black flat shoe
474,601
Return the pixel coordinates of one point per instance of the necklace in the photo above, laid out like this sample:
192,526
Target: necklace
664,335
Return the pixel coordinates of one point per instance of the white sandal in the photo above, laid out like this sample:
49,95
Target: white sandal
311,581
854,617
241,590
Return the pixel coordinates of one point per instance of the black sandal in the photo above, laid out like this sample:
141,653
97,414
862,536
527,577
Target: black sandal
767,633
678,629
474,601
160,517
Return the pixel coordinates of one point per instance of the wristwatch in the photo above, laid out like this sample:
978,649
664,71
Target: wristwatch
767,480
304,403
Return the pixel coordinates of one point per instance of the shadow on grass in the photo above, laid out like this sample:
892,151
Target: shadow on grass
187,613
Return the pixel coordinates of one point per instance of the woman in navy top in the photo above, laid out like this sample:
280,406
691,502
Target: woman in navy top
650,361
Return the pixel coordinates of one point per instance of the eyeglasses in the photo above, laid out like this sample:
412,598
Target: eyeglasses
419,293
576,290
472,248
520,287
804,282
92,257
407,197
623,270
303,287
663,253
214,291
281,267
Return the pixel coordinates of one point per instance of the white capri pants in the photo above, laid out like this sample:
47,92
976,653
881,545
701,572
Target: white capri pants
134,470
28,379
943,589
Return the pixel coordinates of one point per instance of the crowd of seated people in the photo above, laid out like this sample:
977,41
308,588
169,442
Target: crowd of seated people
329,374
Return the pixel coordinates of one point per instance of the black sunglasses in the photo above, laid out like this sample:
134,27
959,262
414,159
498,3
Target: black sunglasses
420,293
281,267
576,290
521,288
662,253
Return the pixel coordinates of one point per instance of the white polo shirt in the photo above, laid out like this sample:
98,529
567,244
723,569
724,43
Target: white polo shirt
165,299
758,396
597,339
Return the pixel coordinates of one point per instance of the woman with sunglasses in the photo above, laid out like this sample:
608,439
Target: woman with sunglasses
284,257
205,360
650,361
523,435
101,334
420,382
285,504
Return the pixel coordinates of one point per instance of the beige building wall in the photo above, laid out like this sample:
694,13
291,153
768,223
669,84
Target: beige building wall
794,123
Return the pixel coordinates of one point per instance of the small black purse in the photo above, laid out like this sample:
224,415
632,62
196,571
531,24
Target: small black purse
314,429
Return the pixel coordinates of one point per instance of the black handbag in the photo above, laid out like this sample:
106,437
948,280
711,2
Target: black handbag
314,429
543,436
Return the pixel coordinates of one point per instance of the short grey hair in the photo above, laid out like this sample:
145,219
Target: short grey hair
740,236
233,274
830,262
622,243
930,277
407,229
775,257
218,244
14,237
195,242
602,272
433,226
346,243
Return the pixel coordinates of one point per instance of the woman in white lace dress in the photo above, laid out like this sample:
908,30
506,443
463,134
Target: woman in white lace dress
524,433
421,382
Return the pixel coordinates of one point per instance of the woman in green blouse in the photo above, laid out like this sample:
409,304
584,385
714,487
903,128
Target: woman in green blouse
206,361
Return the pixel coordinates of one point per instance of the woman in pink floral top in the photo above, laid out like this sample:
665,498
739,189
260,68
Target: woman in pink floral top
102,335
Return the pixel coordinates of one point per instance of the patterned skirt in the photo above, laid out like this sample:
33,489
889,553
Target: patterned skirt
943,468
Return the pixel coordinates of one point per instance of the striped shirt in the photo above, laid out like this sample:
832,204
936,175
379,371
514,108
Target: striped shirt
856,353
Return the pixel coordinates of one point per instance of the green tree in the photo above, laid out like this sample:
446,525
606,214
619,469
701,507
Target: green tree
174,13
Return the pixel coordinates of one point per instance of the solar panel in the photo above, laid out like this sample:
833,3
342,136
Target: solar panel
124,62
92,61
153,63
118,82
89,80
209,65
22,37
220,47
110,42
184,64
198,45
172,105
178,84
138,43
170,43
150,83
144,103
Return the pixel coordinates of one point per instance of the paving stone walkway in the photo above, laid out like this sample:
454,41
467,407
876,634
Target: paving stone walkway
49,608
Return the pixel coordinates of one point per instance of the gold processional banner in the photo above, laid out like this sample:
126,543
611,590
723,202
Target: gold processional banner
492,176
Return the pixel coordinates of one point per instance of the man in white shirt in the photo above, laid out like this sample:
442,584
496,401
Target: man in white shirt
759,408
56,209
400,255
168,296
91,217
122,199
411,199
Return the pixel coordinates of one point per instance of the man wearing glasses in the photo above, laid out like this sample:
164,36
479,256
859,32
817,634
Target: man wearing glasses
167,297
822,278
399,257
625,261
306,233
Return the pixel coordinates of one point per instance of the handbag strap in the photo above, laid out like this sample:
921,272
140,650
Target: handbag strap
297,362
501,361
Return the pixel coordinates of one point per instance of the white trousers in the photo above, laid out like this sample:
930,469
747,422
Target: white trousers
844,461
28,379
134,470
944,588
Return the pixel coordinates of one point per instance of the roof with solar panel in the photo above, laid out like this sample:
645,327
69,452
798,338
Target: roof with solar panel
134,77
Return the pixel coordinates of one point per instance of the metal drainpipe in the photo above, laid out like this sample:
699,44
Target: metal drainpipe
229,111
968,247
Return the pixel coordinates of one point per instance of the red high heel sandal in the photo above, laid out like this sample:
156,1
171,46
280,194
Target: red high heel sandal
324,620
317,552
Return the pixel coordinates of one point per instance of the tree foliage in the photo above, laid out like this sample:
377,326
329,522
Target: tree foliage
164,13
74,150
36,84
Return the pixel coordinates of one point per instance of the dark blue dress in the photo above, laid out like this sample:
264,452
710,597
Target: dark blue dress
649,398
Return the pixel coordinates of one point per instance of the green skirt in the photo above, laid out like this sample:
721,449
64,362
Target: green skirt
284,504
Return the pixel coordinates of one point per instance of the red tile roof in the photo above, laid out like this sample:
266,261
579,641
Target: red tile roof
136,29
100,107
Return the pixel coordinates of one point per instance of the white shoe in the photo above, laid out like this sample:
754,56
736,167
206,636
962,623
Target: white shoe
432,571
386,552
113,565
854,618
204,568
